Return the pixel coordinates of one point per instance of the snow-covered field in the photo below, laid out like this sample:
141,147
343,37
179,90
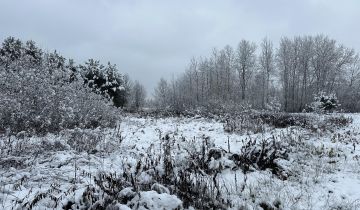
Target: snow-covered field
128,167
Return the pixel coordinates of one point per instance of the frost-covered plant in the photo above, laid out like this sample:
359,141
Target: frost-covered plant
324,102
151,181
273,105
244,123
104,80
85,140
40,93
167,159
340,121
32,102
283,120
262,156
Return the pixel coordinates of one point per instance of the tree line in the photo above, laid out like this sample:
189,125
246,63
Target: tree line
44,91
285,78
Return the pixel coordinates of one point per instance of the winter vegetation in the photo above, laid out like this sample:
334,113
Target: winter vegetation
44,92
289,78
255,127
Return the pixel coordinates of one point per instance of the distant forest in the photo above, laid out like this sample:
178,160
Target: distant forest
292,77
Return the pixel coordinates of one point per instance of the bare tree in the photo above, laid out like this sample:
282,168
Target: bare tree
162,94
306,53
245,62
266,60
138,96
283,58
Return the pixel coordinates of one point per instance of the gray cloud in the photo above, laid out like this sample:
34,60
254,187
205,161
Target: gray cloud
151,39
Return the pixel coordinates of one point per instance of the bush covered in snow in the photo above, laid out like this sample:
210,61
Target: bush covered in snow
41,93
324,102
262,156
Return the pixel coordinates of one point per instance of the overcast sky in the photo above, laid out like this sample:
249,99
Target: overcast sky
157,38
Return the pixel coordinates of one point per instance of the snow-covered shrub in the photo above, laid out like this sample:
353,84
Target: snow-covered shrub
243,123
262,156
94,198
13,162
105,80
283,120
195,179
112,184
153,200
155,180
167,159
324,102
218,107
33,103
198,191
328,123
258,122
125,190
84,140
340,121
274,105
39,93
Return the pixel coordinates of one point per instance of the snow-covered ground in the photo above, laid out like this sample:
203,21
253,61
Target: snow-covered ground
322,168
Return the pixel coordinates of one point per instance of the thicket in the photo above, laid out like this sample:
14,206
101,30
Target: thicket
43,92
